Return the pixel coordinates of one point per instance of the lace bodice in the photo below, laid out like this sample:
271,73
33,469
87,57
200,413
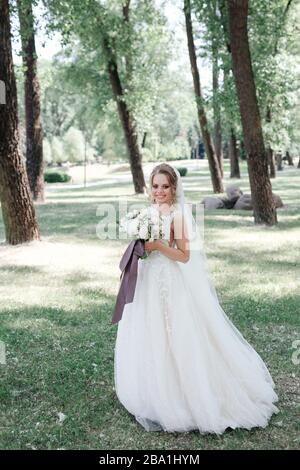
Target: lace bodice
159,264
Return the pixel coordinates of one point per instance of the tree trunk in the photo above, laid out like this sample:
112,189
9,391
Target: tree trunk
270,151
17,206
289,158
271,161
127,121
34,131
144,140
208,144
279,161
243,153
261,189
299,162
128,55
217,113
233,155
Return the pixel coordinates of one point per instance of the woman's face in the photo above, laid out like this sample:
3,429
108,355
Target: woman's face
161,189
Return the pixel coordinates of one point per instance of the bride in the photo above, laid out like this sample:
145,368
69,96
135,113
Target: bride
180,364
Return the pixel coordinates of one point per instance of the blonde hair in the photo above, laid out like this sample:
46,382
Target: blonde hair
165,169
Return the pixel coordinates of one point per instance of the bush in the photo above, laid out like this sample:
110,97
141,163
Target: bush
182,170
56,177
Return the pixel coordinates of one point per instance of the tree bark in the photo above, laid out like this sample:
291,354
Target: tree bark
279,161
144,140
243,153
34,131
233,155
260,184
271,160
127,121
128,55
289,158
270,151
214,167
17,206
217,113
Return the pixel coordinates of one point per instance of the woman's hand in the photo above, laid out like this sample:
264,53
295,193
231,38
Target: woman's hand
151,246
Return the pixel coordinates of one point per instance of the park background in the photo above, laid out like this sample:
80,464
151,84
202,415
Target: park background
77,148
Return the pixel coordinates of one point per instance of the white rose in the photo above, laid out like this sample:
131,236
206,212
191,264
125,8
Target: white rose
155,219
143,213
143,232
133,228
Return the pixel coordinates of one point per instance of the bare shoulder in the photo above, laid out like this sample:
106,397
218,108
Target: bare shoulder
177,213
176,216
178,224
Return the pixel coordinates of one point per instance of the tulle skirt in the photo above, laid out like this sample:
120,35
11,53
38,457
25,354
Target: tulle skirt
180,364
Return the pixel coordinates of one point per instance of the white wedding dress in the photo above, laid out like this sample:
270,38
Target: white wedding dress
180,364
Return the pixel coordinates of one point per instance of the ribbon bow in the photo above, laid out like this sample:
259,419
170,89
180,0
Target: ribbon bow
129,268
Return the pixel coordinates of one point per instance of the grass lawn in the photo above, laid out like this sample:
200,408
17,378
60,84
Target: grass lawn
57,296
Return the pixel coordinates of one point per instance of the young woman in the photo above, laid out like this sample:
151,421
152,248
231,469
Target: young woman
180,364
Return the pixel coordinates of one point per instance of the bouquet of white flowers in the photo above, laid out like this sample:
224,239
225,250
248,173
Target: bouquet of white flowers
146,224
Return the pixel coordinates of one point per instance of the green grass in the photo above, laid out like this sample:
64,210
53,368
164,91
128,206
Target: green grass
56,304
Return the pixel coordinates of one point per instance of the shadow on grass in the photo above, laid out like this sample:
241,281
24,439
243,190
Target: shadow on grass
20,269
59,365
62,361
262,260
217,219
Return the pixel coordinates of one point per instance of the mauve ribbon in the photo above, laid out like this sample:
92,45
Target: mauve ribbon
129,268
